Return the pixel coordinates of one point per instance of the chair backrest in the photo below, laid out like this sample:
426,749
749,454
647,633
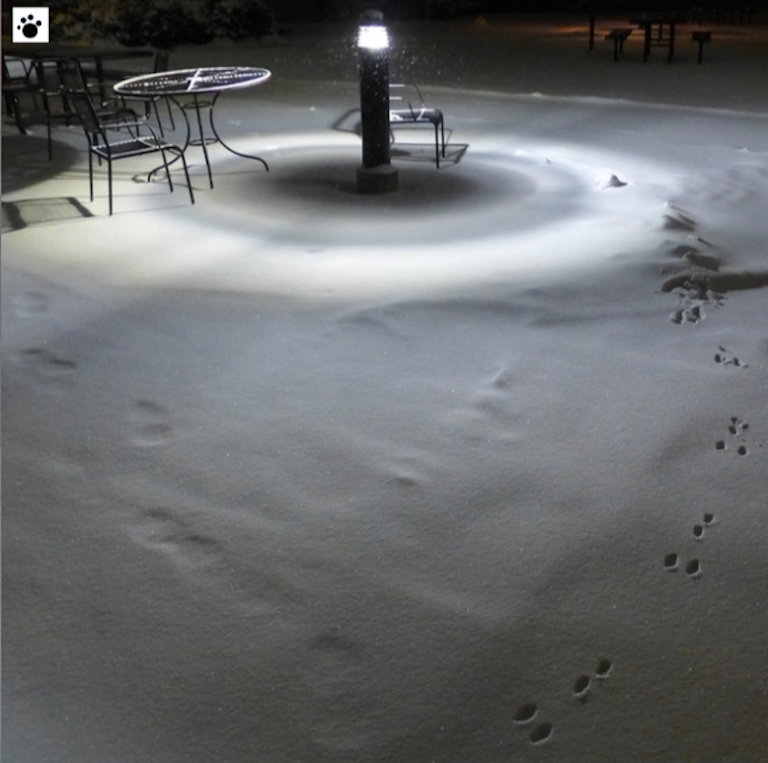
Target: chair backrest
45,72
86,113
161,61
71,77
406,96
20,71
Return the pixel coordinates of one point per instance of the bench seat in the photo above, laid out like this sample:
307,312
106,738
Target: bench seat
701,36
618,36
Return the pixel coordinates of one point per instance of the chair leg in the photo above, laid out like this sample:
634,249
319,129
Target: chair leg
152,105
167,169
170,113
442,135
12,103
90,173
157,115
94,138
186,174
109,180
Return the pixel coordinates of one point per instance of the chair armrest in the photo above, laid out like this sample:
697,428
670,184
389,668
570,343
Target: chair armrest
136,123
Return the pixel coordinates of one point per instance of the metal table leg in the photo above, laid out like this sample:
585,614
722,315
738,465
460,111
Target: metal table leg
204,140
219,139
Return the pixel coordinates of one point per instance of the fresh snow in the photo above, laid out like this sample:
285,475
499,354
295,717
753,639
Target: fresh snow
472,472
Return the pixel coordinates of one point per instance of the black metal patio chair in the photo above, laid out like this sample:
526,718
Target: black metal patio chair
13,86
410,109
101,146
161,64
56,80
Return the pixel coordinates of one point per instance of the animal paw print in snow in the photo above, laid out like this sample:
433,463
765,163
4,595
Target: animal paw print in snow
581,687
584,683
701,293
672,563
541,731
700,529
736,429
692,298
727,358
692,314
692,568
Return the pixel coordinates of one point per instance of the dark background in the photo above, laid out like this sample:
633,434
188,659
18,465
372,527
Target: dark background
166,24
316,10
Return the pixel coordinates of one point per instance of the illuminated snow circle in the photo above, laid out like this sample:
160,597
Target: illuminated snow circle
485,194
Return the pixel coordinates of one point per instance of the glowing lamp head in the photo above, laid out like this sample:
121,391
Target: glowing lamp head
373,37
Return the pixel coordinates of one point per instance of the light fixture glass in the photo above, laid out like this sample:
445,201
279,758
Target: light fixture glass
373,37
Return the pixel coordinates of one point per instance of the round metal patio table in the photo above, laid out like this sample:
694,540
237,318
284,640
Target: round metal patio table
185,88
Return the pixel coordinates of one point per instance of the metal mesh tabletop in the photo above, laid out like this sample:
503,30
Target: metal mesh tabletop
192,81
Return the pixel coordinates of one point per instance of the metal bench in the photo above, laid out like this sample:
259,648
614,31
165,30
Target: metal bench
701,36
618,36
697,14
746,12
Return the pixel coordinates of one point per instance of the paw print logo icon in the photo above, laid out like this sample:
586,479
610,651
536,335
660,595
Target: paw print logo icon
30,25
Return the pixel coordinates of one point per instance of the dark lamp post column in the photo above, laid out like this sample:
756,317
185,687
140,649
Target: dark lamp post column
376,174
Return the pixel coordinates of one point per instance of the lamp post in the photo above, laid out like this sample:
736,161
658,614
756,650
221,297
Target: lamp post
377,175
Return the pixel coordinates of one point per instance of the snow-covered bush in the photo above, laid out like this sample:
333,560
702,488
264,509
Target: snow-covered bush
239,19
160,23
448,9
81,20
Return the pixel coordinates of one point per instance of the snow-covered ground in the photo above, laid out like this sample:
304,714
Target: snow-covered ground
472,472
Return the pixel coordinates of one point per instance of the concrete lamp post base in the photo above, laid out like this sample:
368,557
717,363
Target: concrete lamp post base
380,179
